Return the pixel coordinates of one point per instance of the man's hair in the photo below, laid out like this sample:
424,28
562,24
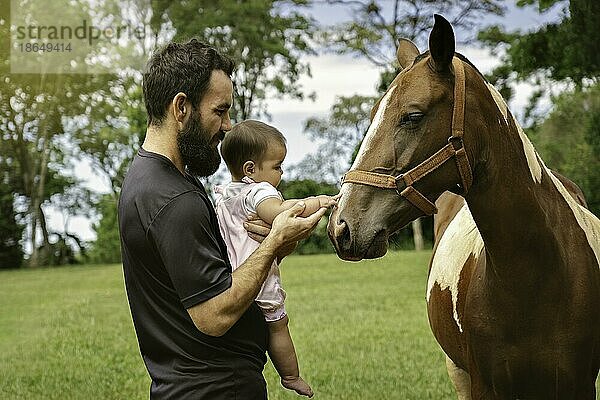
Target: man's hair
248,141
180,67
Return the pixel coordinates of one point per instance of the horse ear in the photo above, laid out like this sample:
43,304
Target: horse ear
441,44
406,53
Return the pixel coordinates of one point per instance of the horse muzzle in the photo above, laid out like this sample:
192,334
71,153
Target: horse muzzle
350,241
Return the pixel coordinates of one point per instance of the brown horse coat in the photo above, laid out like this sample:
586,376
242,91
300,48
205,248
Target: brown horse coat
514,284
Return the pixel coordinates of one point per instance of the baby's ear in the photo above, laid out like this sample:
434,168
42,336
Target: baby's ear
249,168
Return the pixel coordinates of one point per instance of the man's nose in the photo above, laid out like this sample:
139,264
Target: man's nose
226,123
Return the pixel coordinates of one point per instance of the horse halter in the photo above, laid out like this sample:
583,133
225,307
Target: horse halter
455,148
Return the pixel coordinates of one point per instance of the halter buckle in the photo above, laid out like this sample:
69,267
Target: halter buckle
400,181
456,142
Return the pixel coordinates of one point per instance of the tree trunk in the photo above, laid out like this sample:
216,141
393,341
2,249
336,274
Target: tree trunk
34,259
36,196
418,234
46,248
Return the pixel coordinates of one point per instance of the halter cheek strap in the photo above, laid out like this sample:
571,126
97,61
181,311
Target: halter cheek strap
455,148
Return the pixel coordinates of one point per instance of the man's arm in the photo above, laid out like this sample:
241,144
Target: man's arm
218,314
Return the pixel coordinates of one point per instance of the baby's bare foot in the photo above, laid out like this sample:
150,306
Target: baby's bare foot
298,385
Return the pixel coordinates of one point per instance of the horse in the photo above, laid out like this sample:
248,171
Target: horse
513,293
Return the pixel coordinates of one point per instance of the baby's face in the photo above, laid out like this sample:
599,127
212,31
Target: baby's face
269,170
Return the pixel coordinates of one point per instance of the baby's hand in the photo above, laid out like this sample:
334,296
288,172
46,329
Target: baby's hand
326,201
298,385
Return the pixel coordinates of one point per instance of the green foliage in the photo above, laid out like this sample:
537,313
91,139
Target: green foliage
36,145
268,41
11,231
569,141
566,50
110,135
107,247
318,242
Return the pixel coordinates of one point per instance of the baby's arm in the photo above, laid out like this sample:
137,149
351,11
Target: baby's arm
268,209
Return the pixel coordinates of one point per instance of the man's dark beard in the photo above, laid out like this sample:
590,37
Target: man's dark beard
196,151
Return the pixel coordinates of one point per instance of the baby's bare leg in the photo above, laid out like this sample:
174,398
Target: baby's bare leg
283,355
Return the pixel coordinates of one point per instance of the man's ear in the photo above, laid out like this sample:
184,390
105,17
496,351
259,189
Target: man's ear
181,108
406,53
249,168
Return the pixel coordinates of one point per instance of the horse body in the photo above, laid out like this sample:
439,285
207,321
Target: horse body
513,292
526,339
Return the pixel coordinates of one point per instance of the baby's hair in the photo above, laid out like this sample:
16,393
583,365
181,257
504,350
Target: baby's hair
248,141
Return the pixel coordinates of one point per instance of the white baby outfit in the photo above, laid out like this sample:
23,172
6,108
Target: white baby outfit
235,202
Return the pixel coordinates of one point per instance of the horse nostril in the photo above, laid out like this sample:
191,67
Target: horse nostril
342,233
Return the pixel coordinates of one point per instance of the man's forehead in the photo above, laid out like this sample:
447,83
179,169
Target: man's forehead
220,90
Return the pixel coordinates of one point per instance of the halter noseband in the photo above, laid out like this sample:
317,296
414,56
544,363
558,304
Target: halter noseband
455,148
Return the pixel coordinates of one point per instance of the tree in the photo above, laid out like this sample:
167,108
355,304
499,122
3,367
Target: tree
574,152
107,247
34,113
11,231
111,134
268,51
565,50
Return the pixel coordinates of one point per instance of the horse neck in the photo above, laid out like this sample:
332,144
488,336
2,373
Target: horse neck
512,200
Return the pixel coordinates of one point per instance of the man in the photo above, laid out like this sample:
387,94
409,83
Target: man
200,333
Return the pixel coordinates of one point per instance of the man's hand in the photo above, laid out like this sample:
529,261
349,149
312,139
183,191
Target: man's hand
288,228
257,228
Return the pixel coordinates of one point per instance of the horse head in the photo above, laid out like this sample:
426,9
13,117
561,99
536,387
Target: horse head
418,145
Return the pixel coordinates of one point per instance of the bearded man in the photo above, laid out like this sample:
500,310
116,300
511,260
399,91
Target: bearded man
200,333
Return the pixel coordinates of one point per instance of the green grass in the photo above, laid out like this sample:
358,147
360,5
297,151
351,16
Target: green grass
360,330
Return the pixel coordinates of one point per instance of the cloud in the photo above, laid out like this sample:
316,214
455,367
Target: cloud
332,75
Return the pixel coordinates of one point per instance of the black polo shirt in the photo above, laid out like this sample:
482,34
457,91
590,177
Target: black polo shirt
174,258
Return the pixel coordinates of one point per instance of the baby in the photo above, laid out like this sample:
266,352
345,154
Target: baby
253,152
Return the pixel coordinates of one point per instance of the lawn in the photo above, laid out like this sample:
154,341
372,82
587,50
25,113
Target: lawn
360,330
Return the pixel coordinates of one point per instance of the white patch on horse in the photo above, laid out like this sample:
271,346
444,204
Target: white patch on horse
589,223
460,240
366,145
530,154
499,101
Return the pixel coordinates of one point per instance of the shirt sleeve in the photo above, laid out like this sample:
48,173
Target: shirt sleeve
186,240
259,193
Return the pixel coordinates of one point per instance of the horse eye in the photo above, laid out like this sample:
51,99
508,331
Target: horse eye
411,118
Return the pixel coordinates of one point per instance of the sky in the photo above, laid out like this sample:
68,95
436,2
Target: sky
332,76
